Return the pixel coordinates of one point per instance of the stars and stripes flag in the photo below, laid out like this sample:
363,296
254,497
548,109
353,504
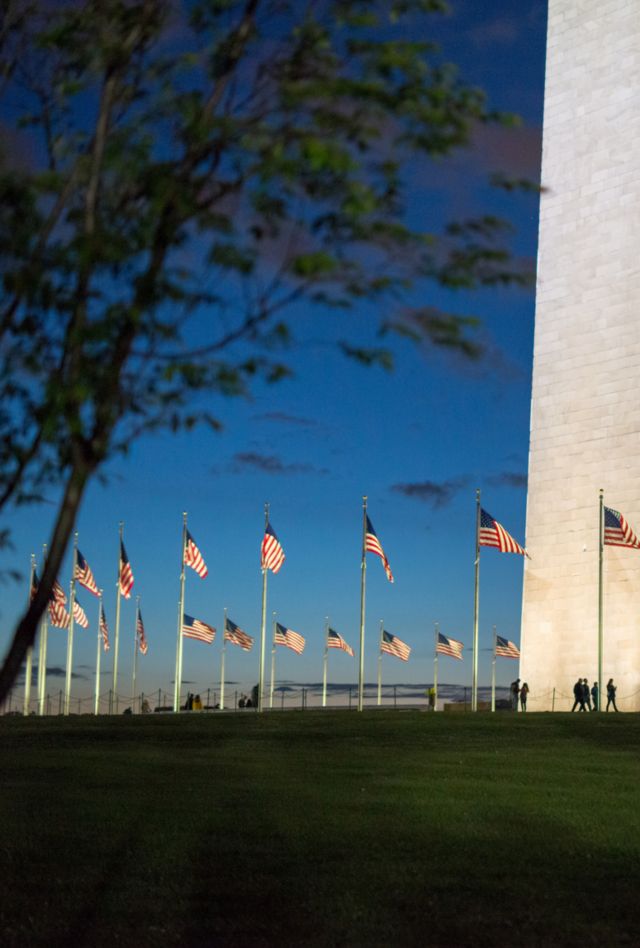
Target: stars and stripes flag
392,645
448,646
79,615
59,616
617,531
272,554
196,629
335,640
193,557
83,574
372,545
493,534
143,646
235,634
125,574
57,593
288,637
506,649
104,629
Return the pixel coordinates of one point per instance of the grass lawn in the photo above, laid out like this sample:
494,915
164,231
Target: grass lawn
321,828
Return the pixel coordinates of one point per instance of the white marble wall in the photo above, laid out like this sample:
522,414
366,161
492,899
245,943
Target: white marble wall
585,412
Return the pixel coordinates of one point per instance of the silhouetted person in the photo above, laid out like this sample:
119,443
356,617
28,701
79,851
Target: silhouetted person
515,691
586,698
577,694
611,694
241,702
595,697
524,693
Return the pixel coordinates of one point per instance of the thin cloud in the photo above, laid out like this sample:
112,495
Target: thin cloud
270,464
281,417
437,495
508,479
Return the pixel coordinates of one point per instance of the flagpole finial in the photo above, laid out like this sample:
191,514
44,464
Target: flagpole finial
477,493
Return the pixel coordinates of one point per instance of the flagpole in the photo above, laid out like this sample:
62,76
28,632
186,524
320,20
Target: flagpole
72,599
28,670
493,671
476,603
178,672
263,624
380,666
363,582
116,634
600,597
135,657
273,661
222,658
96,702
324,664
435,666
42,651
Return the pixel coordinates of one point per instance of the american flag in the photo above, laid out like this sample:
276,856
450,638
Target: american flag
234,633
392,645
506,649
335,640
79,615
193,557
58,614
449,646
288,637
372,544
143,647
617,531
104,629
84,575
57,593
271,550
126,575
195,629
493,534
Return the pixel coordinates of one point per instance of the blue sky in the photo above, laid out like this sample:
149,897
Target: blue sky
417,440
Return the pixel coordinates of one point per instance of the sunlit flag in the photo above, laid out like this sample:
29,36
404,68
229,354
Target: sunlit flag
58,615
125,573
335,640
104,629
288,637
79,615
506,649
84,575
57,592
493,534
143,647
235,634
392,645
272,554
193,557
196,629
617,531
448,646
372,545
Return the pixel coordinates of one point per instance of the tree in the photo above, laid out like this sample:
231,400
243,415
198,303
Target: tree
194,171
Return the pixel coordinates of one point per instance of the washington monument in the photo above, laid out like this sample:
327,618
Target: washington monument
585,410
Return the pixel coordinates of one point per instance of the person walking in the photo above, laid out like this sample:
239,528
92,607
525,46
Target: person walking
595,697
524,692
577,694
611,694
586,698
515,691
